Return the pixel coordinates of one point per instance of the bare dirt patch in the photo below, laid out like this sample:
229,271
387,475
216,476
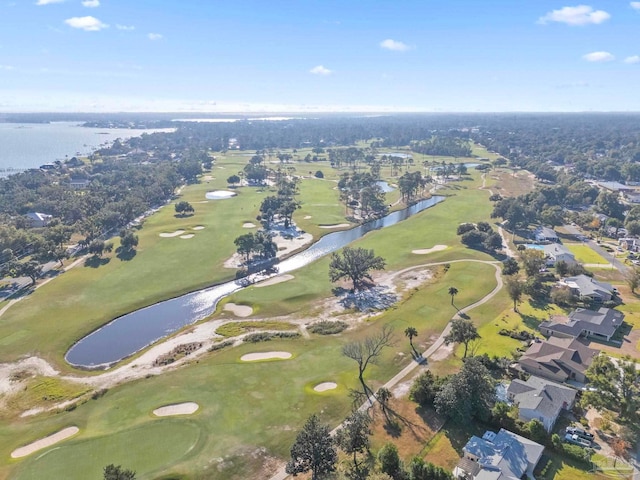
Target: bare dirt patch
252,357
324,386
425,251
238,310
443,352
275,280
44,442
186,408
177,233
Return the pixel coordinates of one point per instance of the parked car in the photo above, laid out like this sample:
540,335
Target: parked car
577,440
580,432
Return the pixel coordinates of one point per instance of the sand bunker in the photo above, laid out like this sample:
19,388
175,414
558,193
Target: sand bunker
307,217
186,237
44,442
323,387
199,227
186,408
219,194
248,225
208,178
238,310
252,357
177,233
424,251
338,225
275,280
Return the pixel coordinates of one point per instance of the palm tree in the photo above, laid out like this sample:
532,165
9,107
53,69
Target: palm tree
411,332
453,291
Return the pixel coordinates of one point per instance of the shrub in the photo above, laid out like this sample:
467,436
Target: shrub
99,393
328,327
220,346
319,174
267,336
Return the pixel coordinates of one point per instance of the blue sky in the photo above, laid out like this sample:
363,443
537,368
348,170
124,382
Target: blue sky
321,55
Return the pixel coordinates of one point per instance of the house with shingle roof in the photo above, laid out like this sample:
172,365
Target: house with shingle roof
600,325
498,456
555,252
558,359
586,288
540,399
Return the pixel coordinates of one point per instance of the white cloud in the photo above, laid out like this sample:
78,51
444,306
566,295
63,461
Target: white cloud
91,3
598,57
320,70
125,27
394,45
154,36
578,15
48,2
635,5
88,24
632,59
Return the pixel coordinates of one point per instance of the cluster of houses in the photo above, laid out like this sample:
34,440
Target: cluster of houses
556,368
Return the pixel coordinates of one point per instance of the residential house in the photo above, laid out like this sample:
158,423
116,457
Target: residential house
586,288
555,252
498,456
79,183
540,399
37,220
558,359
600,325
615,187
545,234
630,244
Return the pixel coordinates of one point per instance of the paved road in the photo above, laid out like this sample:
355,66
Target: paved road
282,475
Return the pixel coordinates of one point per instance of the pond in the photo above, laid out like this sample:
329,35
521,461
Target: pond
134,331
386,188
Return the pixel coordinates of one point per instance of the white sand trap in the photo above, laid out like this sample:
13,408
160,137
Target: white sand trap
187,236
323,387
252,357
307,217
238,310
186,408
220,194
177,233
208,178
275,280
337,225
44,442
424,251
199,227
248,225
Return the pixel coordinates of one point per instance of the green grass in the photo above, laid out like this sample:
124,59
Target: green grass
584,254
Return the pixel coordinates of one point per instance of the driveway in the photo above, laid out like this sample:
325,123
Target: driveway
621,267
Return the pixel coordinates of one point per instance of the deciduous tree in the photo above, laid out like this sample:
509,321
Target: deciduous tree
354,264
462,331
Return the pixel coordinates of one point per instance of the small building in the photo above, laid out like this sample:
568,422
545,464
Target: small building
586,288
545,234
79,183
498,456
558,359
37,219
615,187
556,252
599,325
540,399
630,243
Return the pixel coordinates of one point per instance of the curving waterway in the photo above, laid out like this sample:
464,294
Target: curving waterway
134,331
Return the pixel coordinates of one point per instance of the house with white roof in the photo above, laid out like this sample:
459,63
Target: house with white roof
37,219
498,456
540,399
555,252
545,234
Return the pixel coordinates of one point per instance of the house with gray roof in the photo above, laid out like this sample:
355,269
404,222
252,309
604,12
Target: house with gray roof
545,234
540,399
37,219
586,288
555,252
558,359
599,325
498,456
